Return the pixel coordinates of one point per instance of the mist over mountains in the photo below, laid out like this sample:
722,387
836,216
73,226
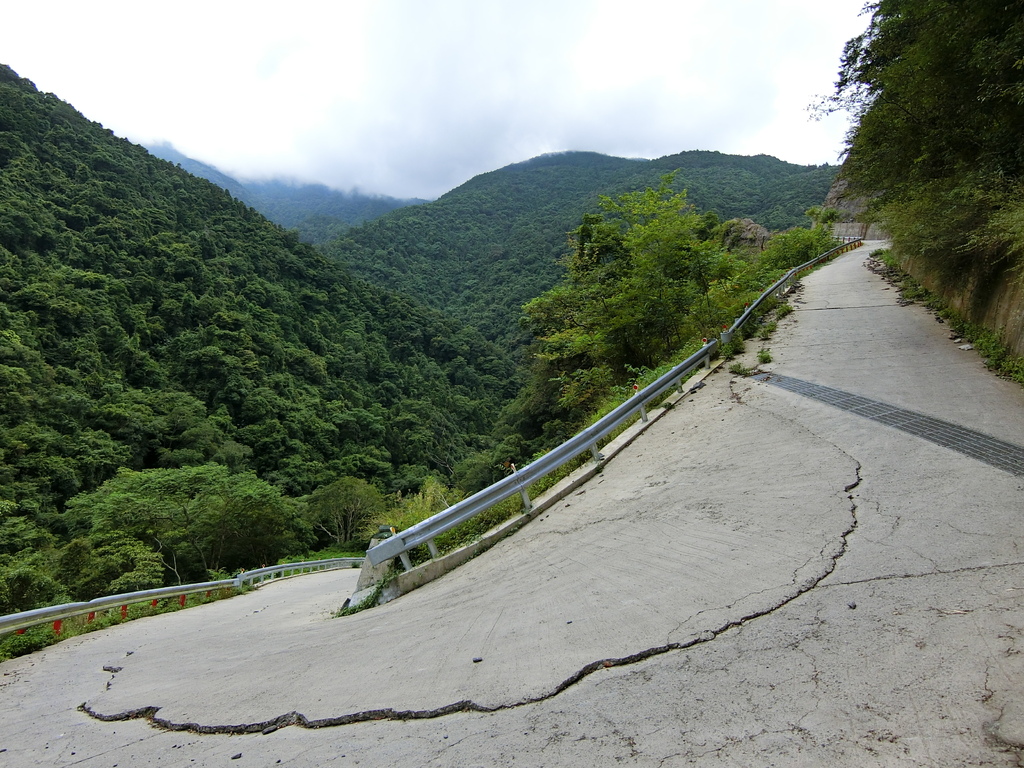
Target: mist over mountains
317,211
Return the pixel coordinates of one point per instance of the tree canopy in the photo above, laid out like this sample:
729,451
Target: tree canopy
938,90
486,248
157,335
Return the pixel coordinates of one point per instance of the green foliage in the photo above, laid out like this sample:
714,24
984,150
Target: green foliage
409,509
639,284
740,370
733,347
644,284
435,497
148,320
938,88
108,563
794,247
764,356
371,599
198,520
342,509
172,365
27,581
486,248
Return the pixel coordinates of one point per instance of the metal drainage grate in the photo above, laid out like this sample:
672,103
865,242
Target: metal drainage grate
990,450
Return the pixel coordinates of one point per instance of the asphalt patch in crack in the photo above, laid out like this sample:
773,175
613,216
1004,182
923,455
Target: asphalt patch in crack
977,445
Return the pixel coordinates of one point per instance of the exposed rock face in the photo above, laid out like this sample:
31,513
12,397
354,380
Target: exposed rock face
748,233
851,208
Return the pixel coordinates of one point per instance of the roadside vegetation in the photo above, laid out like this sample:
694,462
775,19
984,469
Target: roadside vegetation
646,280
997,356
186,390
938,92
43,635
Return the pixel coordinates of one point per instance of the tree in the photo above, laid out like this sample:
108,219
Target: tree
199,520
639,283
108,564
27,582
937,87
340,510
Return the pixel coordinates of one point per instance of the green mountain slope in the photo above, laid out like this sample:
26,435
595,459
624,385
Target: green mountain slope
318,212
147,319
484,249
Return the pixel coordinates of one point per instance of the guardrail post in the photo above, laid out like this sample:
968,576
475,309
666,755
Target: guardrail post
434,554
598,456
643,413
406,562
527,504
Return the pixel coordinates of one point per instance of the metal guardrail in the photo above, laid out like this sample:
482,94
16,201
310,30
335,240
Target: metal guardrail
425,531
259,575
57,613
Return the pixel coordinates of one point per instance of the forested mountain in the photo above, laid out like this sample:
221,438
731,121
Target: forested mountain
149,321
487,247
318,212
938,88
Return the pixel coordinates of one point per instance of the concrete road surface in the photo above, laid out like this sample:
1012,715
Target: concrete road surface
763,578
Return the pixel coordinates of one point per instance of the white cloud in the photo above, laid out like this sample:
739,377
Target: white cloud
411,98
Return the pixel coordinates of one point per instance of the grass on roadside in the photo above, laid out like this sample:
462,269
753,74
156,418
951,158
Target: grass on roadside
997,356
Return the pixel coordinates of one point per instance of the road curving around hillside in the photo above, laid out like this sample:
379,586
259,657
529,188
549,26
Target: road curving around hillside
760,578
667,547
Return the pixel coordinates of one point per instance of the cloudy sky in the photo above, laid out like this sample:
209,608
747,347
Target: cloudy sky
411,98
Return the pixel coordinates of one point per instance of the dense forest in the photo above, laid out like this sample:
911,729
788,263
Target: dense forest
938,90
645,279
489,246
187,389
166,343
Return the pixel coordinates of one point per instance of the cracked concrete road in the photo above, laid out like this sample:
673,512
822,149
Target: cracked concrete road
761,579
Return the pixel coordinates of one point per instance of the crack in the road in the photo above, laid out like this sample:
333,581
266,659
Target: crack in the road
937,572
149,713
